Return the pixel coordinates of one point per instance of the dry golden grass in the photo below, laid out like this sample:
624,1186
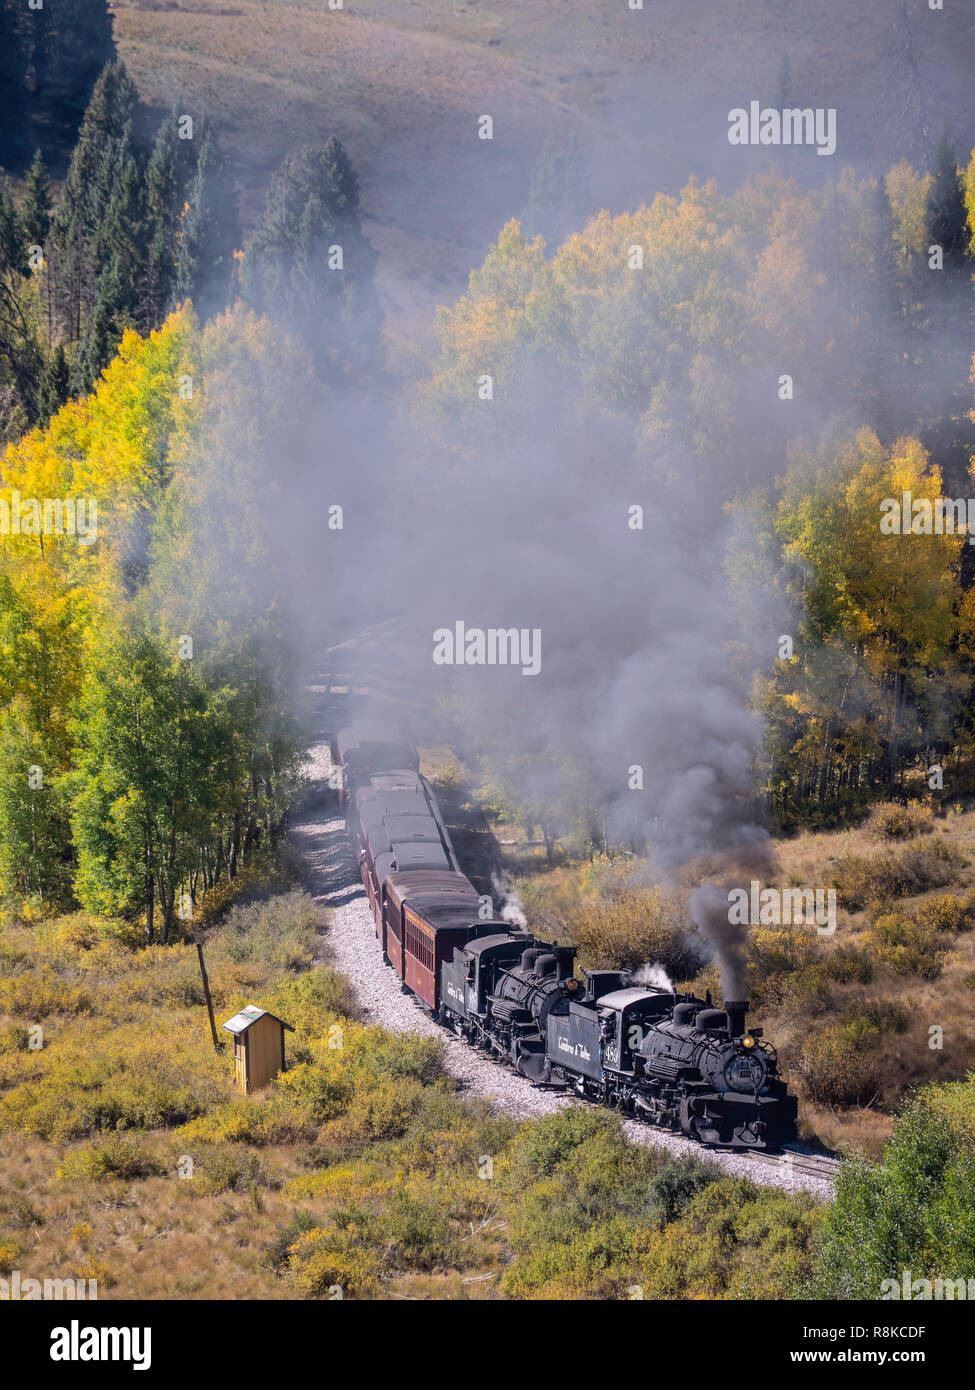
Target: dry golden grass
127,1157
148,1239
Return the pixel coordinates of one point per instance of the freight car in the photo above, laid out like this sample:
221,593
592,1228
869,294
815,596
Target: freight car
669,1058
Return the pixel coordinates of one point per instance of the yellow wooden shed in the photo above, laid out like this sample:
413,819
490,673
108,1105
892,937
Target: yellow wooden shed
258,1046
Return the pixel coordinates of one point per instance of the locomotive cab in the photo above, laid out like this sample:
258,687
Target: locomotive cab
600,1036
625,1016
468,979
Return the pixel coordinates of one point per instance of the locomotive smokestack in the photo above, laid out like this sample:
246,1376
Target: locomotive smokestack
736,1009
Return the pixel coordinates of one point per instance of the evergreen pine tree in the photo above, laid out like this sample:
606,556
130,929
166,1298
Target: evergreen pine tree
291,270
945,390
11,237
19,352
343,183
120,252
168,176
209,232
54,385
103,143
884,317
946,212
35,204
101,333
554,182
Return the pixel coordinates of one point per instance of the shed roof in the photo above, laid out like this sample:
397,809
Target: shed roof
248,1015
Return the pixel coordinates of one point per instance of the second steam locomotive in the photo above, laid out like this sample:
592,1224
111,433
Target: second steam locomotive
669,1058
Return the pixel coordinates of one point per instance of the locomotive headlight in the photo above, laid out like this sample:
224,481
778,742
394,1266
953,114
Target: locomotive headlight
572,985
748,1040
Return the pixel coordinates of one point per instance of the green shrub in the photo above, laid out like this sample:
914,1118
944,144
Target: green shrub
280,932
276,1254
896,822
377,1111
916,943
913,1212
14,1038
313,1001
110,1080
38,994
733,1240
322,1260
907,946
789,967
397,1056
840,1066
591,1216
880,1015
114,1158
409,1232
860,881
637,925
263,877
223,1168
276,1120
947,913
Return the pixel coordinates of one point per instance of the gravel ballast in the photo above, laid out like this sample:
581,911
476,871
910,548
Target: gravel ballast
333,879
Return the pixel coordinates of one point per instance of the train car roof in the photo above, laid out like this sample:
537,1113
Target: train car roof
419,827
372,737
384,864
403,801
378,840
411,855
369,731
396,780
370,815
623,998
433,886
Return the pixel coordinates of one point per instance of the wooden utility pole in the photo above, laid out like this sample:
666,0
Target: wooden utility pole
198,938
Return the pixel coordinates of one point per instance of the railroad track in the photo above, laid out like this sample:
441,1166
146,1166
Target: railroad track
799,1160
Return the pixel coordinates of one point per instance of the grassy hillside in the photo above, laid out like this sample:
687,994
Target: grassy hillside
644,97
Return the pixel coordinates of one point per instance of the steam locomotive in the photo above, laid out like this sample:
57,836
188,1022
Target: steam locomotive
669,1058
